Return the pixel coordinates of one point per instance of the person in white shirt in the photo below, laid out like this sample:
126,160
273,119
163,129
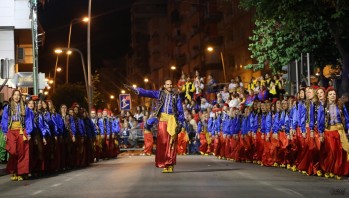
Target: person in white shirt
234,102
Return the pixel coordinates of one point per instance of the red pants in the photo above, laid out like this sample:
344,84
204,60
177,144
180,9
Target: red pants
182,143
166,152
148,143
18,149
203,142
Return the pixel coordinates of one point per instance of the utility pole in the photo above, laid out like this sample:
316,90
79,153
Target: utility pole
34,24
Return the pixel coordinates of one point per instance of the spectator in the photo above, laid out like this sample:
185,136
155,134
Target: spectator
239,82
211,88
204,104
134,131
234,102
139,114
225,94
232,85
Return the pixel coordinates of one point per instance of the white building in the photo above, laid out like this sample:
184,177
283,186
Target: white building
15,38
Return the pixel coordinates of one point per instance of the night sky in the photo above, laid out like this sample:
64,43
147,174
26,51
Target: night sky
110,33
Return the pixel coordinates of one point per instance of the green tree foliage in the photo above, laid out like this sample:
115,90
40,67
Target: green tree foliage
315,20
277,43
68,94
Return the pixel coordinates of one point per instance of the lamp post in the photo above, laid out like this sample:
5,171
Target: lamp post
60,50
85,19
89,56
211,49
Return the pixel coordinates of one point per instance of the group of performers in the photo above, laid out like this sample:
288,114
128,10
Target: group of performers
305,133
41,140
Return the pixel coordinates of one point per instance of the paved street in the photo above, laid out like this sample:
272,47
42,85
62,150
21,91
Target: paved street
195,176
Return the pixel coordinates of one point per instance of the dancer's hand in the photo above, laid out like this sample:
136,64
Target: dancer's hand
44,141
5,137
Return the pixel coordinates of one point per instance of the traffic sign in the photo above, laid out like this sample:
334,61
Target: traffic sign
125,102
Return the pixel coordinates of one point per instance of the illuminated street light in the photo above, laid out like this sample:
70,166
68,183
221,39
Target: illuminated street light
146,80
173,67
69,52
46,79
51,82
134,86
48,87
58,51
85,19
209,48
112,97
46,92
87,76
59,69
123,91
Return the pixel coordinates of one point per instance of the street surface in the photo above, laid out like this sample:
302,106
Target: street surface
195,176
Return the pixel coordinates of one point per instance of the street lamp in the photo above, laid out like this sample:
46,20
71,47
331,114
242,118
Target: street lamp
211,49
88,88
85,19
146,80
59,69
112,97
173,67
123,91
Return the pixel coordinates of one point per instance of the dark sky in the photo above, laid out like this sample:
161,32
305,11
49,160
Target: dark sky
110,33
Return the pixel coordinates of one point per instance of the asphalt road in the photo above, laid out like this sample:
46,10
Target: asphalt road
195,176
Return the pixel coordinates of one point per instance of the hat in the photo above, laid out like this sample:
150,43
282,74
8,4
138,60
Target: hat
75,104
226,105
105,109
93,110
99,111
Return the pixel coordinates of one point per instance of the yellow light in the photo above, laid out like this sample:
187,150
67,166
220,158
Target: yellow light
123,91
51,82
173,67
85,19
59,69
46,92
210,49
146,80
134,86
48,87
69,52
46,79
112,97
58,51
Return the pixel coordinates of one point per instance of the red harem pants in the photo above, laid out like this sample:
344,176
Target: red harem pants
18,149
148,142
166,151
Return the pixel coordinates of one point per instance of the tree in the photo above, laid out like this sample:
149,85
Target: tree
333,15
97,100
68,94
277,44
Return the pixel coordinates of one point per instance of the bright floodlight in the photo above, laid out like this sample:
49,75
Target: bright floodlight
58,51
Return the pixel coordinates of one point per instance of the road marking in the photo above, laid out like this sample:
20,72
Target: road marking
37,192
68,179
55,185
